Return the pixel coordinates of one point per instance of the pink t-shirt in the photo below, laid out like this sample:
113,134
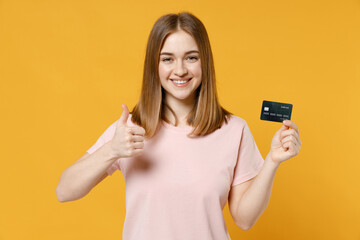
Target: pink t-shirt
178,187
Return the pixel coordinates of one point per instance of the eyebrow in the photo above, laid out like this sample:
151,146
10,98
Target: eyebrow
168,53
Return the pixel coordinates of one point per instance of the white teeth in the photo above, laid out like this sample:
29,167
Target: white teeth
180,81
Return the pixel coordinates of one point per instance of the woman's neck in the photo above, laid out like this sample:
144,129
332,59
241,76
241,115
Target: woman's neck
181,109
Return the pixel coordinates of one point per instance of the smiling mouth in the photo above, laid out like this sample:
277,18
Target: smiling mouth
178,81
181,83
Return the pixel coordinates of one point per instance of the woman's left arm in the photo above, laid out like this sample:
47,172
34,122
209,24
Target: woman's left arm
249,204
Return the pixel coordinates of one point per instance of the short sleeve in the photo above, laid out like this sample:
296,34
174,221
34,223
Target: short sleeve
249,161
104,138
115,166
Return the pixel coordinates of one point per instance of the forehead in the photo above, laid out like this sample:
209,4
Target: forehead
179,42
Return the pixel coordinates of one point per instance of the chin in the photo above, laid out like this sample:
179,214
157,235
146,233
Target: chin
181,96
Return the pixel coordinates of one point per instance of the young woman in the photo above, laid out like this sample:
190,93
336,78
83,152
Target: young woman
182,155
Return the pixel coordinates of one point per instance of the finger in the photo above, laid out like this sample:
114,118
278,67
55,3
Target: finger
293,140
294,150
137,138
290,132
290,146
292,125
137,130
290,138
138,145
133,138
286,145
138,151
124,116
283,128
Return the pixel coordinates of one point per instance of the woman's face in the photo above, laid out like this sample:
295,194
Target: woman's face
180,66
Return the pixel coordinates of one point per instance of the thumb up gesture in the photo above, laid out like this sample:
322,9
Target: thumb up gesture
128,141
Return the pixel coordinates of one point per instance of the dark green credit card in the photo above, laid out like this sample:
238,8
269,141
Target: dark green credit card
275,111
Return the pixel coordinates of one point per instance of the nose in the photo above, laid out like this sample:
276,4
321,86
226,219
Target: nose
180,69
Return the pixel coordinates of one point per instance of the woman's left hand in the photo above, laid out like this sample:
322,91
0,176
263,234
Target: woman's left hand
285,143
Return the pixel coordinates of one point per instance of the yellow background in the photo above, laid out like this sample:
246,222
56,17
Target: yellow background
67,66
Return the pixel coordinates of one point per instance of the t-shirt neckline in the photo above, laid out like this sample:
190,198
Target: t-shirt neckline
186,129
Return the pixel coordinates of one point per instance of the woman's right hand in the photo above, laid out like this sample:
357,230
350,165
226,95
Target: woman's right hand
128,141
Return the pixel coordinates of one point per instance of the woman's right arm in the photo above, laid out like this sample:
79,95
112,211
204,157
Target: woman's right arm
78,179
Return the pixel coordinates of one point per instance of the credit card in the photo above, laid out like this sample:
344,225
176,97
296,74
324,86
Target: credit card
275,111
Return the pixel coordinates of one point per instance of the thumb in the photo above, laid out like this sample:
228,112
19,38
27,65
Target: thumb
283,127
124,116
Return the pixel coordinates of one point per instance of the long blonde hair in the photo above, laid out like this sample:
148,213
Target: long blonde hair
207,115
